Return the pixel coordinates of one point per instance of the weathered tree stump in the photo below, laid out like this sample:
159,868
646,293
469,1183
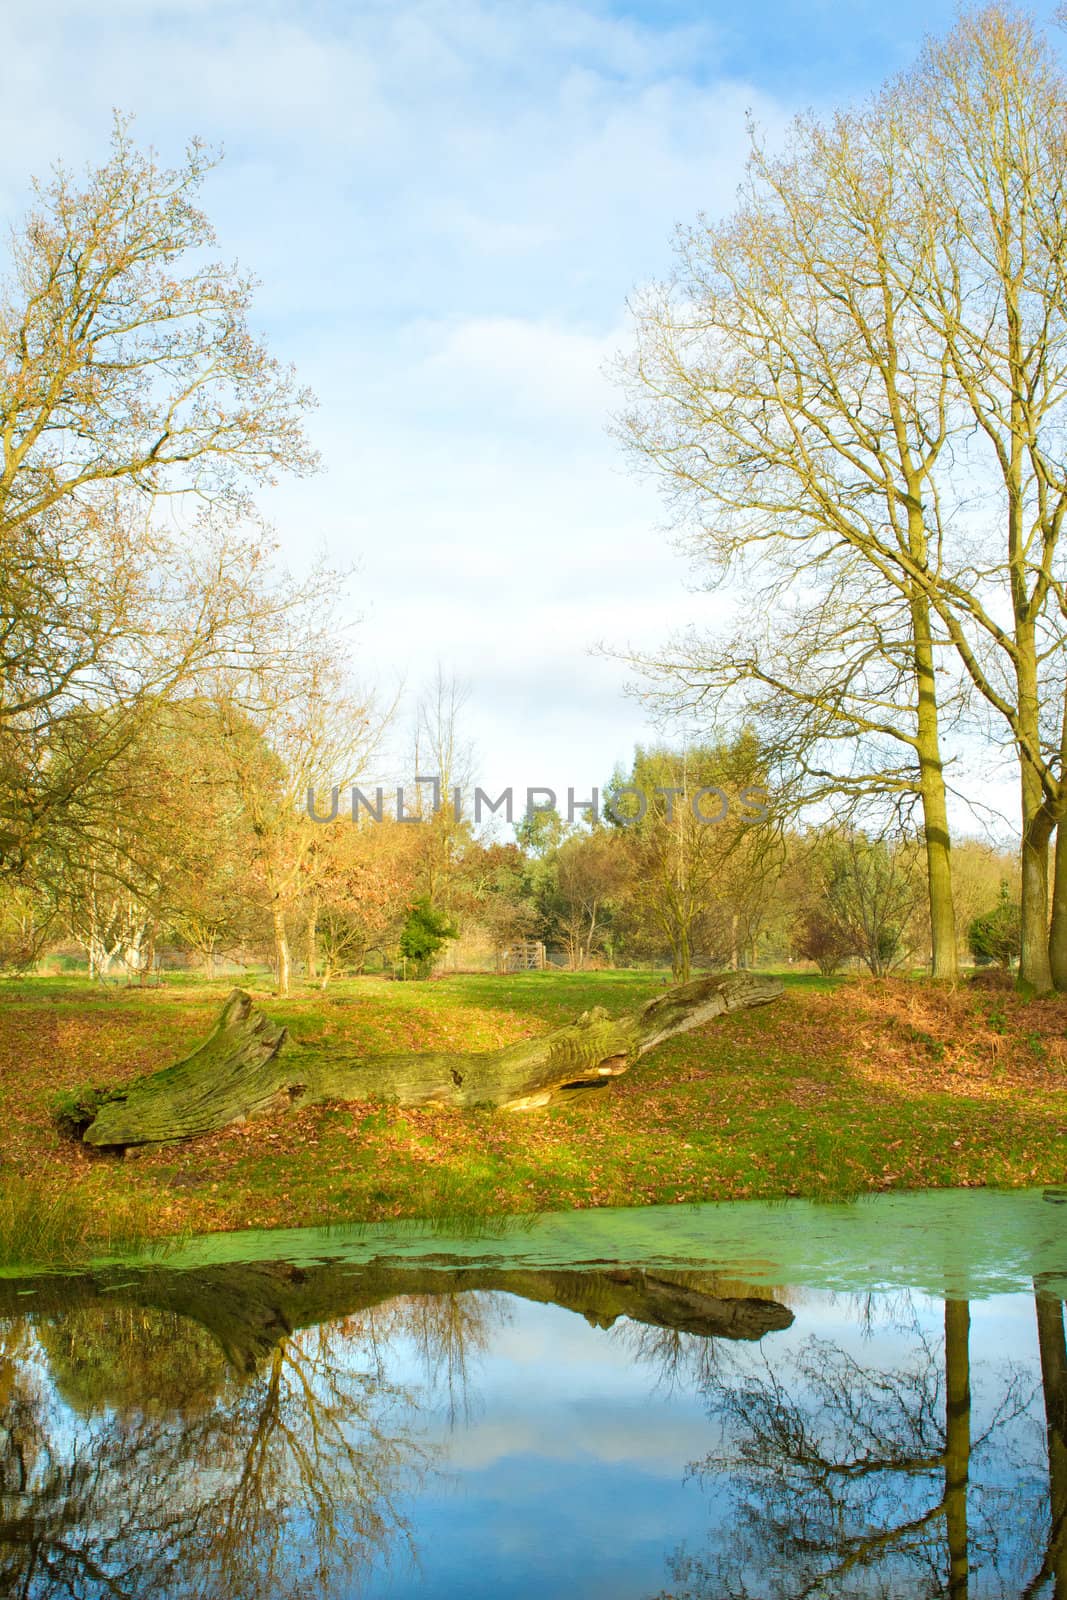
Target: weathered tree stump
241,1071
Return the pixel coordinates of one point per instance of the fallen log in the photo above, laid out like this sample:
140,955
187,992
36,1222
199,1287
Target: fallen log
241,1071
249,1308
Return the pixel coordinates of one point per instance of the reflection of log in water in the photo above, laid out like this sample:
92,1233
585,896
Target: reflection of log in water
310,1430
249,1307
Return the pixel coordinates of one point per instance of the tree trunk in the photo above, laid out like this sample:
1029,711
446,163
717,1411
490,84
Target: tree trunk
1053,1351
281,946
944,947
944,950
239,1072
1057,940
1057,937
311,934
681,963
1035,970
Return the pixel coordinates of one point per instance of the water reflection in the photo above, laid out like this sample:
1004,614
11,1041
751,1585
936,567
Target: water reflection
264,1430
169,1433
848,1477
134,1497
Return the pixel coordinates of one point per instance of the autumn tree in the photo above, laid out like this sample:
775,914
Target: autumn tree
591,873
129,379
500,894
701,858
293,729
362,880
862,897
166,854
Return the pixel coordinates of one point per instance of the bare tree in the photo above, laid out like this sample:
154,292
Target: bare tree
292,727
872,356
797,433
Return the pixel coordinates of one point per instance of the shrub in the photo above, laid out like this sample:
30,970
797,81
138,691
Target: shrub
425,931
995,936
820,938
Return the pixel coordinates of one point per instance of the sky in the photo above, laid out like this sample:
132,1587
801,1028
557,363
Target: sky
447,203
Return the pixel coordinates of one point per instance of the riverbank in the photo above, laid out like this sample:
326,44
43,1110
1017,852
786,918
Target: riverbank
836,1089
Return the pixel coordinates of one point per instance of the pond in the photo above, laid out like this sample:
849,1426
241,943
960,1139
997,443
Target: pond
743,1400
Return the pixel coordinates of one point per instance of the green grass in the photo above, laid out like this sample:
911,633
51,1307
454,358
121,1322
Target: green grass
837,1089
59,1229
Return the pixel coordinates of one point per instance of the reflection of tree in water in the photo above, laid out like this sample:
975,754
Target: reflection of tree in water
682,1360
446,1331
1052,1347
178,1474
133,1360
845,1479
196,1491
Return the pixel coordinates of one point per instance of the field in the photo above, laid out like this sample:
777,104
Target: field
836,1089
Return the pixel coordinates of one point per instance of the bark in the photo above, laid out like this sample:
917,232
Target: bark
281,946
249,1307
931,773
1057,938
944,946
1035,970
240,1071
682,963
311,936
1057,943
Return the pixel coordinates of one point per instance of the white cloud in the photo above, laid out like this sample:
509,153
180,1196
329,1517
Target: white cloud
447,202
521,365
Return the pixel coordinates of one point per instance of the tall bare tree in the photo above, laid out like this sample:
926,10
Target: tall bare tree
871,357
797,433
988,167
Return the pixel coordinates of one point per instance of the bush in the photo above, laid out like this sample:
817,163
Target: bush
995,936
425,931
818,937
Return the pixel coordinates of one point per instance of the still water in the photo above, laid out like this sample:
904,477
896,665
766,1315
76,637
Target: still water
722,1401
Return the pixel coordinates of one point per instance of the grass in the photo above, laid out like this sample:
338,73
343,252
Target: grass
837,1089
59,1229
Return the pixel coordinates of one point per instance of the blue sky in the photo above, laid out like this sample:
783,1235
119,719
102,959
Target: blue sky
447,205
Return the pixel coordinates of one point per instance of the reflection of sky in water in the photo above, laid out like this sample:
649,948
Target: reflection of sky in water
567,1473
529,1451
